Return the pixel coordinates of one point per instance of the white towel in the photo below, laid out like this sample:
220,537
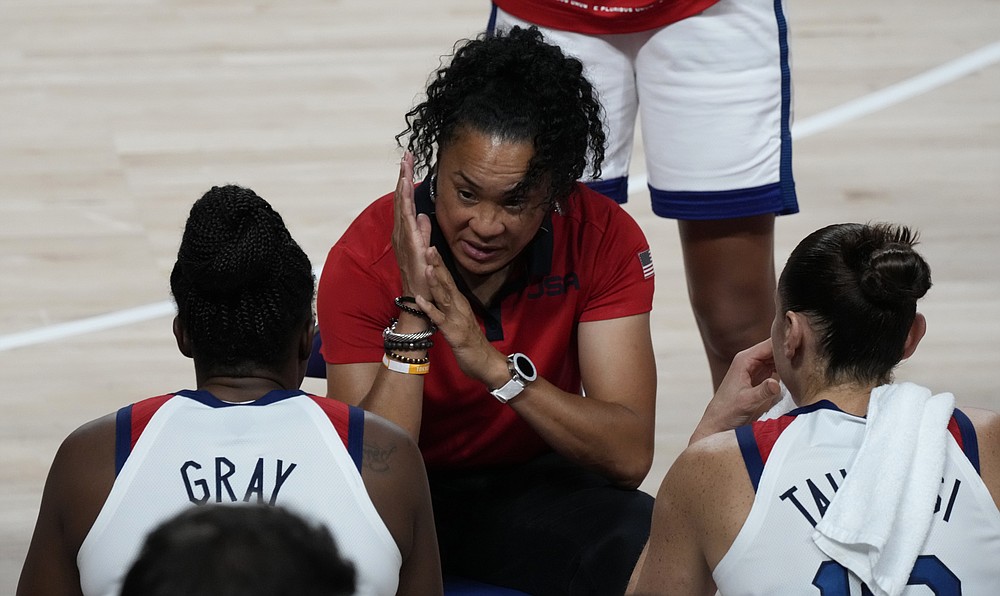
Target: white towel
878,521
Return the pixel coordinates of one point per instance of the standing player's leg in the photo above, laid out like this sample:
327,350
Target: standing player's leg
714,95
729,265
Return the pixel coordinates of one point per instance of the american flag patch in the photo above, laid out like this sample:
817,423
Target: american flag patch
646,260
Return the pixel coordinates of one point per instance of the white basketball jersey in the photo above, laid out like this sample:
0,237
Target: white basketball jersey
797,463
285,449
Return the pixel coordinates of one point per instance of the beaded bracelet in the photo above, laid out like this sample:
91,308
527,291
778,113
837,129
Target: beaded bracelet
401,302
389,334
409,369
408,346
406,360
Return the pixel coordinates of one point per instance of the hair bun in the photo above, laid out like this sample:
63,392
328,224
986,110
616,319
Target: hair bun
895,275
239,244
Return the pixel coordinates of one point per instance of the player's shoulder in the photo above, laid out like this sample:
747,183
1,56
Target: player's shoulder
707,461
987,426
984,420
86,454
715,447
385,442
90,436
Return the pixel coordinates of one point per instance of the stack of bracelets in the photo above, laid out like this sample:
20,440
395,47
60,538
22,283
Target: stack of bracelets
407,342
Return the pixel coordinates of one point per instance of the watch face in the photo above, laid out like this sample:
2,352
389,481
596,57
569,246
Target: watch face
524,367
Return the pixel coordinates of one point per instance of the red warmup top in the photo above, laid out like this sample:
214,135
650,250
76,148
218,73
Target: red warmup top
601,17
591,263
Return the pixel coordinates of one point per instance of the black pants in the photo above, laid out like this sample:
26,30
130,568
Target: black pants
545,527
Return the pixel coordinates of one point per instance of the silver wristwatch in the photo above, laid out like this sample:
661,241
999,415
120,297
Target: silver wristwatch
522,371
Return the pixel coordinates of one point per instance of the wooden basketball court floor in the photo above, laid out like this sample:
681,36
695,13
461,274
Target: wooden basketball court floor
115,115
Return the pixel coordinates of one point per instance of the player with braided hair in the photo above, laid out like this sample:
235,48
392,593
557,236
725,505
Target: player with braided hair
534,405
240,287
247,434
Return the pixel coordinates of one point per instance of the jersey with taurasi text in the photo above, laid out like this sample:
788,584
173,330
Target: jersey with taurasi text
798,461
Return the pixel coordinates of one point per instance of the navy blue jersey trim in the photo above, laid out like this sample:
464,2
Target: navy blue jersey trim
778,198
717,204
751,454
275,396
355,434
970,444
123,437
614,188
206,398
491,25
822,404
789,201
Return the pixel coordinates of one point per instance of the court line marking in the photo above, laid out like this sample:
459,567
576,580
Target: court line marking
138,314
852,110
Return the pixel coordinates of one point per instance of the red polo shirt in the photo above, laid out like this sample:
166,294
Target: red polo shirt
590,263
600,17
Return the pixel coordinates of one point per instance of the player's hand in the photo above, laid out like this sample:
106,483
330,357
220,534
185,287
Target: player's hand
748,390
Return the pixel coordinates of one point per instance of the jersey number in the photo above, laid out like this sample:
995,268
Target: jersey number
831,579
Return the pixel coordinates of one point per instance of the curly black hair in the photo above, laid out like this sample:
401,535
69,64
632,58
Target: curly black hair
514,85
859,284
243,286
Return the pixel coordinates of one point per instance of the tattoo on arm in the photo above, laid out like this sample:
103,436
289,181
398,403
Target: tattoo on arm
376,458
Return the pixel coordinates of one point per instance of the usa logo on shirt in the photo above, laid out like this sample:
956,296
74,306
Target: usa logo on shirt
646,260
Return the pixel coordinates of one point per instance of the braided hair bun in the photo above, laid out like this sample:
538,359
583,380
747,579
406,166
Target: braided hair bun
242,285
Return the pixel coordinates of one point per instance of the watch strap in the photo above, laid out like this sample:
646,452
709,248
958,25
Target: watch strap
518,379
509,391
